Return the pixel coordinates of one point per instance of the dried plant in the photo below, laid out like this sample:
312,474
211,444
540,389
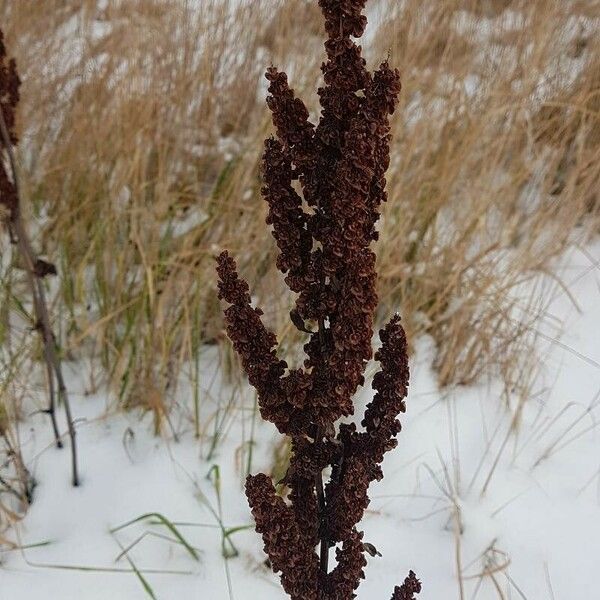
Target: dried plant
36,268
324,229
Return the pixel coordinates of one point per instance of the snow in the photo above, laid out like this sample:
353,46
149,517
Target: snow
520,477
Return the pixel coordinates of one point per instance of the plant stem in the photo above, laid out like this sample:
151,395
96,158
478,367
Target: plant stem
324,547
40,305
324,550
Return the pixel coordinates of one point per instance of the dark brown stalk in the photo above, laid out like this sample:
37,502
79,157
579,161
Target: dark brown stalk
322,510
35,270
319,487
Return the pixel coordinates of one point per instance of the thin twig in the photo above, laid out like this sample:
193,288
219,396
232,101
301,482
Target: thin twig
324,548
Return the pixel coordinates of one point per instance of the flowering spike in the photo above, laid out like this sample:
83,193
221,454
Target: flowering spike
289,551
408,589
324,229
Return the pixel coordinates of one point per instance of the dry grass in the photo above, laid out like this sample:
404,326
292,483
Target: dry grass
142,125
497,166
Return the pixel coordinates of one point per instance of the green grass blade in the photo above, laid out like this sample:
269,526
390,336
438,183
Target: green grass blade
168,524
147,587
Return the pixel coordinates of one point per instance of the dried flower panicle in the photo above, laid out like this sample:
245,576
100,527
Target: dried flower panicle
324,184
408,589
9,98
285,544
362,454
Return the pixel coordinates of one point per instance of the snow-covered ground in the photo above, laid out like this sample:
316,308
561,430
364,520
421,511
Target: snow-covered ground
513,501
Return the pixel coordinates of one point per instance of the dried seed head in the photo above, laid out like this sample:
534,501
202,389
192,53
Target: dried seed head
9,98
408,589
325,255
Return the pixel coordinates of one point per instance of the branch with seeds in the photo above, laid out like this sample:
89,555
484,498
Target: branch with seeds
325,255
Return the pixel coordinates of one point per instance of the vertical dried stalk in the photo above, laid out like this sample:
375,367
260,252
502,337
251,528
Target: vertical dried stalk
324,234
35,268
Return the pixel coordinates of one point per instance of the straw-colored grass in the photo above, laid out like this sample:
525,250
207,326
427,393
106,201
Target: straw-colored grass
142,124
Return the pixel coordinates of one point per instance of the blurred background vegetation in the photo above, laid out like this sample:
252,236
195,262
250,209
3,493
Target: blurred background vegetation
142,124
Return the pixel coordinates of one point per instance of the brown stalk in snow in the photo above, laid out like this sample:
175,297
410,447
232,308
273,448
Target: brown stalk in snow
36,268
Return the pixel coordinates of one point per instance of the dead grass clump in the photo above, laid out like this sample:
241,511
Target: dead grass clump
144,123
141,161
494,172
16,483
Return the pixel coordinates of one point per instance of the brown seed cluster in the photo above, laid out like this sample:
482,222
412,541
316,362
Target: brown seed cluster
285,542
362,452
408,589
324,184
9,98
